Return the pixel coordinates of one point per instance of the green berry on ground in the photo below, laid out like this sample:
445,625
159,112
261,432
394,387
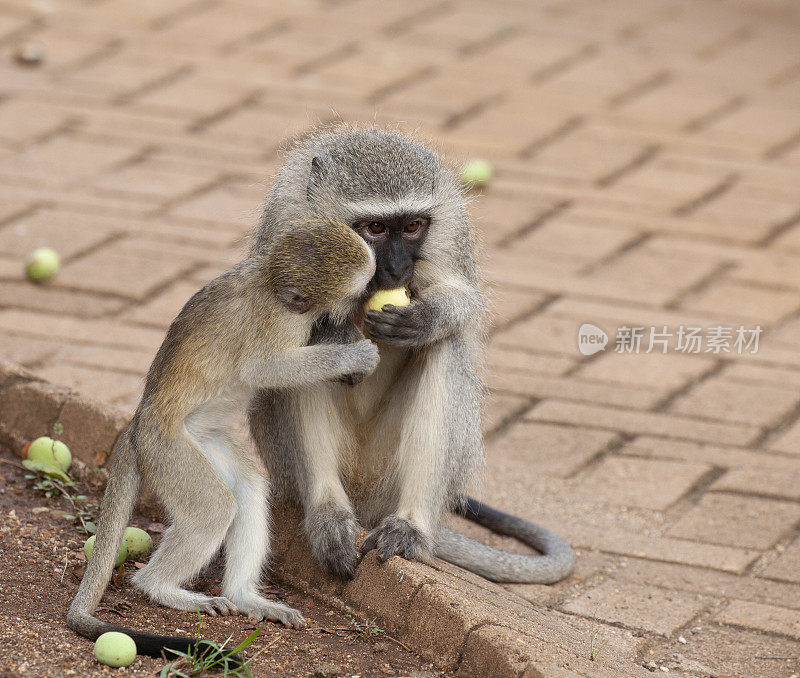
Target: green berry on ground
115,649
122,554
42,264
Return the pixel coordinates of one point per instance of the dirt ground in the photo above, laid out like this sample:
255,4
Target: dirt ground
41,561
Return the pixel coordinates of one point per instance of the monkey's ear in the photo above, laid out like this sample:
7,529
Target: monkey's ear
316,175
295,299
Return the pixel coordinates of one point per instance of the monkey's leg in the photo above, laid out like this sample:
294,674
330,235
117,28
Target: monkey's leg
326,442
302,438
416,467
201,508
247,548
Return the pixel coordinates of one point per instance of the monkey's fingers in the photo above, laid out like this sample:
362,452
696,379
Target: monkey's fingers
218,605
370,542
392,334
394,315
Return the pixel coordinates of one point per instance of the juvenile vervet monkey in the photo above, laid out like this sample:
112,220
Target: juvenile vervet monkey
247,329
395,452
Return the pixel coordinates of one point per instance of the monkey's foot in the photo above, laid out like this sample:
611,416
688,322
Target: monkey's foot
395,536
257,608
181,599
332,533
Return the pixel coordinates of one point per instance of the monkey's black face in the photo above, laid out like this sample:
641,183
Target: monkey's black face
396,241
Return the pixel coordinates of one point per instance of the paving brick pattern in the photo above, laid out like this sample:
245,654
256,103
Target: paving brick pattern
647,161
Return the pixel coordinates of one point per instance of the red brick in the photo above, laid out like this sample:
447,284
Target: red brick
23,121
90,429
737,402
153,180
754,127
508,358
193,96
27,411
644,607
733,520
506,305
102,385
497,218
747,303
64,160
768,482
125,268
220,206
97,332
576,237
710,583
642,276
544,449
49,299
541,386
722,457
499,408
161,310
659,372
788,441
786,567
125,71
767,618
647,483
672,426
67,233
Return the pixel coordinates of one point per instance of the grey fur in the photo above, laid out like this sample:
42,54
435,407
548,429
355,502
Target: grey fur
233,337
398,449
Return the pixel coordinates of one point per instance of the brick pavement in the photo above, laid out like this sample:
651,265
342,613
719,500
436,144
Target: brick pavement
647,162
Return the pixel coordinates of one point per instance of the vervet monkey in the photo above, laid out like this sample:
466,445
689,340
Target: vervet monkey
395,452
248,329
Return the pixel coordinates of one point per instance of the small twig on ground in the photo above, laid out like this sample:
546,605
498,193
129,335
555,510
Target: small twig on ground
103,608
64,570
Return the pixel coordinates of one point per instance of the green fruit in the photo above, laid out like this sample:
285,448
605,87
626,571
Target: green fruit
49,451
476,173
115,649
122,554
42,263
138,543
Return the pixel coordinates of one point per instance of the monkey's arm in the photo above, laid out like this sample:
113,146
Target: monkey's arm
325,331
439,311
310,365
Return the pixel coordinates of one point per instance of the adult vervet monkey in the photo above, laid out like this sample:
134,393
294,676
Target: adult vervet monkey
246,330
394,452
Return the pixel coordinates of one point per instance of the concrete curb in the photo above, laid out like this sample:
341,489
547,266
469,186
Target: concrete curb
445,614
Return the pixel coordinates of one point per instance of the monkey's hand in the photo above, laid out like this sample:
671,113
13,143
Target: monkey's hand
360,357
401,325
325,331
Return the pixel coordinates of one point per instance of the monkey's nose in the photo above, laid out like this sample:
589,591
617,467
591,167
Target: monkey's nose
397,277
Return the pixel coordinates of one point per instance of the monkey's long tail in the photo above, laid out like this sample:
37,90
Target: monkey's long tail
555,563
117,507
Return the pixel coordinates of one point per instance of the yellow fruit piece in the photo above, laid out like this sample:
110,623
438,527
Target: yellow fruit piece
397,297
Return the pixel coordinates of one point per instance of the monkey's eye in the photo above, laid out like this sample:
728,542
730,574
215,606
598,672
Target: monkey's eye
415,227
376,227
